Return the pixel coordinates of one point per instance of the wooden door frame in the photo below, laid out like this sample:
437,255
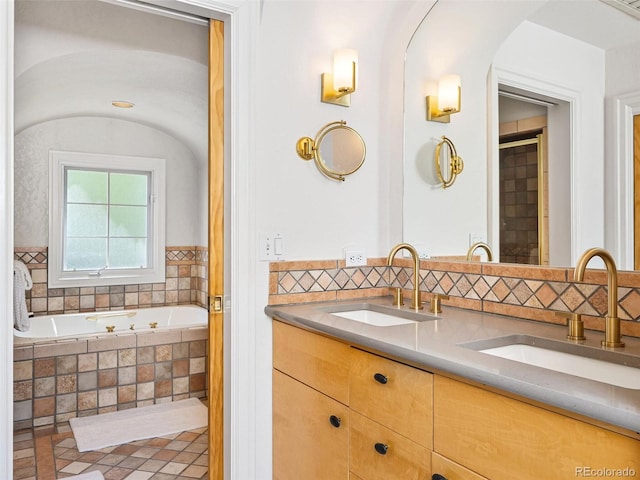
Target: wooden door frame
216,287
636,192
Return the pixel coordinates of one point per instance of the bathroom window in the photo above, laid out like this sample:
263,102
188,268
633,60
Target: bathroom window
106,220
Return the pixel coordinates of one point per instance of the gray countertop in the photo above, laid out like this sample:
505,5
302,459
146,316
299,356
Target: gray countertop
441,345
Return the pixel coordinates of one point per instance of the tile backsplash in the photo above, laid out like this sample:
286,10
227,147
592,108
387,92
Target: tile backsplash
523,291
186,283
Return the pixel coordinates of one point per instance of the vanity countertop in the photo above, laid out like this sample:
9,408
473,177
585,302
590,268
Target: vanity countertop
435,345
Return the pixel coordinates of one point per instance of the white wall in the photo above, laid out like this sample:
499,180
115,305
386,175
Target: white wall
107,136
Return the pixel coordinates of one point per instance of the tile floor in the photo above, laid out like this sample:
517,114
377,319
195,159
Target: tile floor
50,454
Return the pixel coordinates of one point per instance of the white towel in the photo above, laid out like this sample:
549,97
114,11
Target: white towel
21,282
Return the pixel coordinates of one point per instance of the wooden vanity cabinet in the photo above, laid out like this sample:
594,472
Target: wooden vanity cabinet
450,470
391,419
502,438
310,432
310,412
342,413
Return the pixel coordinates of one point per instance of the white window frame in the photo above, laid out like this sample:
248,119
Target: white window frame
155,272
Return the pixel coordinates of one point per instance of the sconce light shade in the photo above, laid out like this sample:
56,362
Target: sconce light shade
447,102
339,85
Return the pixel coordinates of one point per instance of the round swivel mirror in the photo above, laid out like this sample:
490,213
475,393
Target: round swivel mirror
338,150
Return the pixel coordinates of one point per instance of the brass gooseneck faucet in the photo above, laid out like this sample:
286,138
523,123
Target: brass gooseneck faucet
612,322
416,304
476,246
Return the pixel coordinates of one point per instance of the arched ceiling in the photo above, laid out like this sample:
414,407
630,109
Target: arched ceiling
81,70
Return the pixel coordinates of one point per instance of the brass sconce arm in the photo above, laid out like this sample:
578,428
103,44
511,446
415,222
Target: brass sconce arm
454,163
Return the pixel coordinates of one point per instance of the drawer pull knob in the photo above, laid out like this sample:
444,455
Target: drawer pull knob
437,476
381,448
335,421
380,378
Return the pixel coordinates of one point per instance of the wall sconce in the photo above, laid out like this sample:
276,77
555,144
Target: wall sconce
440,107
338,86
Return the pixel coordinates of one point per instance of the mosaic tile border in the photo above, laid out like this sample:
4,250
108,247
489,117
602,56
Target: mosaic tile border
186,283
523,291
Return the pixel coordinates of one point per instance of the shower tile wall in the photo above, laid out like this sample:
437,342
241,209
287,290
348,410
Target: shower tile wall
54,382
186,283
519,205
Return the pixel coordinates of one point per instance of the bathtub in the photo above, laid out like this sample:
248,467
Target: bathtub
96,323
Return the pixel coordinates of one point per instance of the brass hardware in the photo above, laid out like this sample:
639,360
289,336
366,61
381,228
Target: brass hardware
575,325
346,152
153,324
612,322
455,163
398,297
93,318
451,83
216,304
416,303
342,95
476,246
436,302
132,326
110,328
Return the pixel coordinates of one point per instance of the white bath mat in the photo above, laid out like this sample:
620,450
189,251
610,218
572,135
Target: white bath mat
116,428
96,475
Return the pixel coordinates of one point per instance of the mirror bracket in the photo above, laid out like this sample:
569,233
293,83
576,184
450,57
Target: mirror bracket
455,163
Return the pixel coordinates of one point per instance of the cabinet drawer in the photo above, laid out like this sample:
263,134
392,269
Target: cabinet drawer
393,394
306,444
403,458
317,361
502,438
451,470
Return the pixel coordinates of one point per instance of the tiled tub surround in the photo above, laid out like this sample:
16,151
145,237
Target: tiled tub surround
56,381
523,291
186,283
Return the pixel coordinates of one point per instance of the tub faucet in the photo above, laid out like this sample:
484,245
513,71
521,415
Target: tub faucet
416,304
476,246
612,322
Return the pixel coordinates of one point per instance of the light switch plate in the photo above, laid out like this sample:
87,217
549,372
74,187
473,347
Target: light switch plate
271,246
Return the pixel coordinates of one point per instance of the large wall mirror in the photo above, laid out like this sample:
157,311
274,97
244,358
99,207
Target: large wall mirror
549,90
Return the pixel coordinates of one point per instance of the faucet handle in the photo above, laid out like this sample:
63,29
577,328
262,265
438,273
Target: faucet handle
436,302
398,297
575,325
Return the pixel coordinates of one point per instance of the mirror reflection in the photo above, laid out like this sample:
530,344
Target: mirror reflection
545,72
341,150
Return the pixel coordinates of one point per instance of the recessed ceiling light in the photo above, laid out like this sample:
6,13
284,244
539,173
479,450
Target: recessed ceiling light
122,104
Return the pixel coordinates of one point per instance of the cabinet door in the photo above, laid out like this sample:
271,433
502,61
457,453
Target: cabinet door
318,361
378,453
310,433
450,470
393,394
502,438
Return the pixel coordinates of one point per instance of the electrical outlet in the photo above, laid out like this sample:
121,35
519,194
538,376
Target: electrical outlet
354,258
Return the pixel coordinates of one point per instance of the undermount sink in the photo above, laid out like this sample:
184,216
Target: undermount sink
613,368
378,315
